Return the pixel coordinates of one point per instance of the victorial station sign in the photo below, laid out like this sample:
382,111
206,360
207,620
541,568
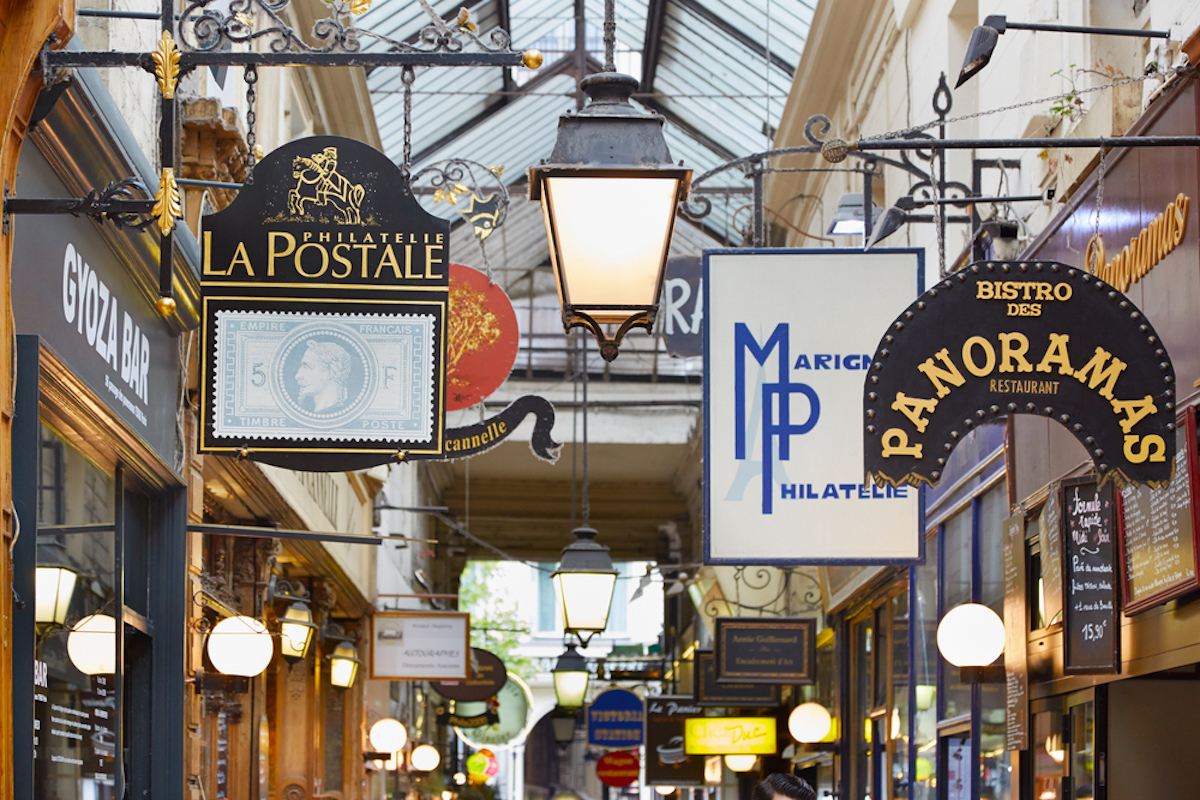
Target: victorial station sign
325,288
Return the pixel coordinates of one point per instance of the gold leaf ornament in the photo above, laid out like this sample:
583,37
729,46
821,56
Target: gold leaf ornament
166,202
166,65
359,6
464,21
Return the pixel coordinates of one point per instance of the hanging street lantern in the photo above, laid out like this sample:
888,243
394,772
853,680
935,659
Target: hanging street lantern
584,581
296,631
240,646
609,195
562,720
343,666
54,587
92,645
571,678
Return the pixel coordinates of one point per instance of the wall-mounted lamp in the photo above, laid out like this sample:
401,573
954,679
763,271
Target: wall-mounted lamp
424,758
92,645
55,586
971,637
848,219
240,646
984,38
585,580
388,735
296,625
741,763
809,723
571,678
343,666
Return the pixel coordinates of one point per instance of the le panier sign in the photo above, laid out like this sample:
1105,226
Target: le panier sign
716,736
325,290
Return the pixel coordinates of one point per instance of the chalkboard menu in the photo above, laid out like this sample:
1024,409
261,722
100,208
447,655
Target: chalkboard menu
1049,536
1091,634
1158,531
1016,634
734,695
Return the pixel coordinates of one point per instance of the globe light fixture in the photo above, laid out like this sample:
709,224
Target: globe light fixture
343,666
665,790
240,646
55,585
571,678
809,722
388,735
460,778
741,763
609,195
971,635
424,758
295,631
584,582
92,645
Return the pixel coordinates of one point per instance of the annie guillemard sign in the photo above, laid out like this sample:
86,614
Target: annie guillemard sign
325,293
788,343
1030,338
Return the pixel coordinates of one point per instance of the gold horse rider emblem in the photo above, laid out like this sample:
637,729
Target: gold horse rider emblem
318,182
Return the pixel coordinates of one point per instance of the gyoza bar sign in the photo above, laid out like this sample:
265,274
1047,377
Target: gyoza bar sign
1003,338
325,293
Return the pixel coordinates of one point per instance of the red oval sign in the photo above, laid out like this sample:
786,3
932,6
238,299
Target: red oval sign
618,769
482,338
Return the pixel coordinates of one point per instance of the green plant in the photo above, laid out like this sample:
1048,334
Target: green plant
496,625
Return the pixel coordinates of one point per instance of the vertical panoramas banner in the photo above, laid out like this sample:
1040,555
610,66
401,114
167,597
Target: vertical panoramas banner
325,292
1000,338
788,343
482,338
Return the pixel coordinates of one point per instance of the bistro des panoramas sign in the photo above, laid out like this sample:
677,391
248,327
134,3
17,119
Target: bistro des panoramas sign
325,292
1003,338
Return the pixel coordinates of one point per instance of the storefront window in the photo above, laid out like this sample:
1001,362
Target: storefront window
898,722
862,638
74,738
925,670
994,764
1083,752
1048,755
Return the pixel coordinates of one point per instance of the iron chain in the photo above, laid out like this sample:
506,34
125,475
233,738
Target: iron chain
251,77
407,76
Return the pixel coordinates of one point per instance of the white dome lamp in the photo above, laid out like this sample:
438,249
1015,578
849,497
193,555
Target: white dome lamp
809,723
741,763
424,758
240,646
92,645
388,735
971,637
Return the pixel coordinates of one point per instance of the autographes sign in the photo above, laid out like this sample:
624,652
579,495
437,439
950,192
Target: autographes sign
325,295
1030,338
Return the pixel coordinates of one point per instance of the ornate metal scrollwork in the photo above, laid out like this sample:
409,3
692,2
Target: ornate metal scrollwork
458,180
210,25
757,579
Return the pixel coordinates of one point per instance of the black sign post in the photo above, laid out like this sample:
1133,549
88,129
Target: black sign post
1000,338
1091,630
325,290
1016,633
765,650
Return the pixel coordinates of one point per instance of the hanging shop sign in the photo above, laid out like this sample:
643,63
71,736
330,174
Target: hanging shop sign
488,675
514,706
1003,338
482,338
782,392
615,720
72,289
666,760
459,719
618,769
420,646
1158,531
471,440
733,695
1016,668
682,311
1091,622
722,736
325,292
765,650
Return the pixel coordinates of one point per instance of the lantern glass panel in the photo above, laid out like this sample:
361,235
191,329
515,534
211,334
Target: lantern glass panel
55,587
586,598
571,688
611,239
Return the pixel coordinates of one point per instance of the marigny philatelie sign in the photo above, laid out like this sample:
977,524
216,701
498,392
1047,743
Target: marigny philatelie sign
789,339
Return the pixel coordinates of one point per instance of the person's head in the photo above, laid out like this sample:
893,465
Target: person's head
781,785
323,363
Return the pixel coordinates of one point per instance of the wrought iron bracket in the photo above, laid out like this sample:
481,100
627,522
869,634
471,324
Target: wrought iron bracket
114,202
609,347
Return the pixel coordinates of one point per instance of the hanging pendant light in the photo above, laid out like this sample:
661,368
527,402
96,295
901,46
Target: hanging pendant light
571,678
609,195
584,582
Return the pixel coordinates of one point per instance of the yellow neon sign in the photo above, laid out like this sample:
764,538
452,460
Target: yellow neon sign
729,736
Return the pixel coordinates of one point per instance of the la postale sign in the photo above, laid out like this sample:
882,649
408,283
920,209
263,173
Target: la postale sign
1002,338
